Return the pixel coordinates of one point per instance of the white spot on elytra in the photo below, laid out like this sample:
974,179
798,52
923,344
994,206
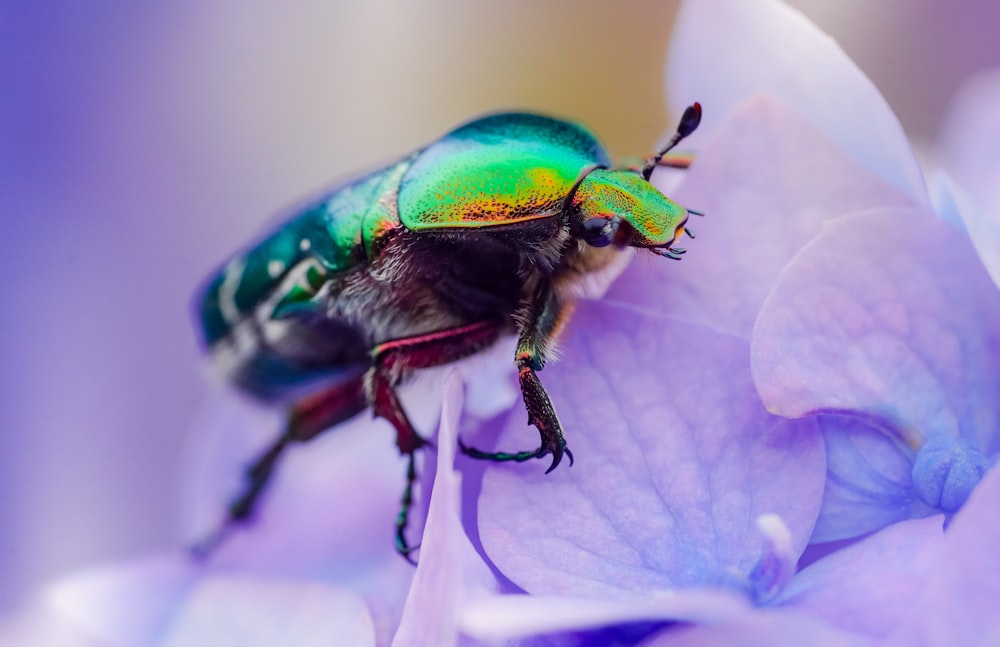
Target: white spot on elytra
275,268
305,244
227,291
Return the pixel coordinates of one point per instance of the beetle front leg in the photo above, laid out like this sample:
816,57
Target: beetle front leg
546,315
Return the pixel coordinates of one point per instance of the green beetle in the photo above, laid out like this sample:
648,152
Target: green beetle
422,263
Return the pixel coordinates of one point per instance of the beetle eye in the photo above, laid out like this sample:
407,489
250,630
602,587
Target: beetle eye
599,232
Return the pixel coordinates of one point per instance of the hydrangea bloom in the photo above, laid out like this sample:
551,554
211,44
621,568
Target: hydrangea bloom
823,366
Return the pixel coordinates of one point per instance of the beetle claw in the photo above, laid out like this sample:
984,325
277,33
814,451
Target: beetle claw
405,551
557,457
558,449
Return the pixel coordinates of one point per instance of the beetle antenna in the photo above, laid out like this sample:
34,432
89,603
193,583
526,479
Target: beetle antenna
689,122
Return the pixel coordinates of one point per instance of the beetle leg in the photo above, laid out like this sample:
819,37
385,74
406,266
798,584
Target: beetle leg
306,419
386,405
393,360
313,414
546,314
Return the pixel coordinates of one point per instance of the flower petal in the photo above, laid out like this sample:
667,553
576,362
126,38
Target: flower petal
675,460
951,203
449,570
888,313
167,602
513,616
130,604
310,524
251,612
971,131
766,181
772,628
868,587
960,602
43,628
970,142
869,481
724,51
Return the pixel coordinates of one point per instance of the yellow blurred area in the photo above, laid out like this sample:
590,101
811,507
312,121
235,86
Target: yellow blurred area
355,85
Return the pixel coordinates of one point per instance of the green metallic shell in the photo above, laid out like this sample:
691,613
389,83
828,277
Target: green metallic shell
498,170
326,238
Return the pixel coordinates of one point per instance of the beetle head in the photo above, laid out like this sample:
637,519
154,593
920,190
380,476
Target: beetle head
621,208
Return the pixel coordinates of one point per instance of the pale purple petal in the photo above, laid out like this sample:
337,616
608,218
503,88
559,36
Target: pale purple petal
867,588
310,491
39,627
970,132
431,605
259,612
675,460
970,144
724,51
449,571
167,602
951,202
312,524
869,482
767,180
888,313
515,616
129,605
959,604
771,628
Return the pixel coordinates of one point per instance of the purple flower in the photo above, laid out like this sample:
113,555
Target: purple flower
824,365
834,293
862,306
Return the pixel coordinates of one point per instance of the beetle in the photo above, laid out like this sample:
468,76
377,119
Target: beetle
421,263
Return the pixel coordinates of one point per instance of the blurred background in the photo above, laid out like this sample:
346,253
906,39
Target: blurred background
143,142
